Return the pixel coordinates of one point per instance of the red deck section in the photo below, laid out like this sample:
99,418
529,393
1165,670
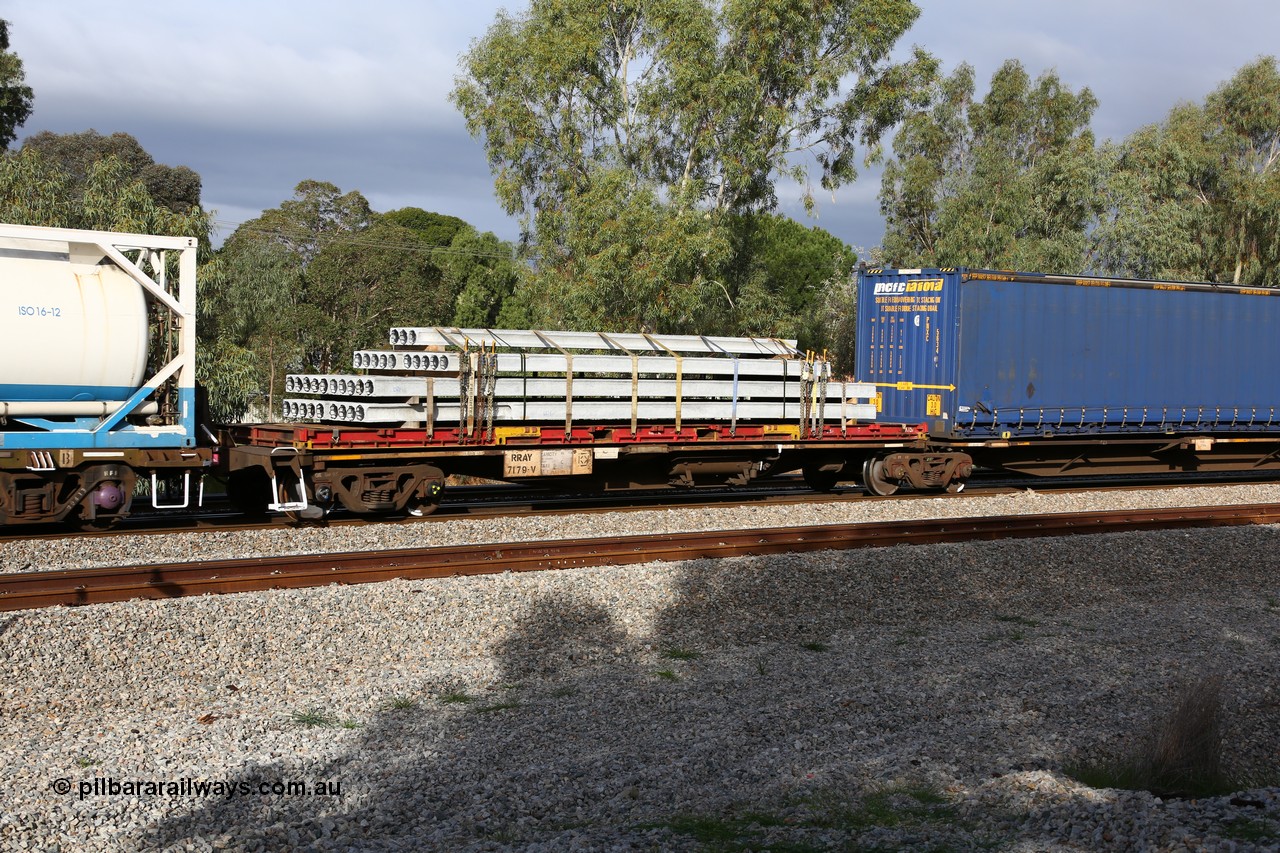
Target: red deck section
321,437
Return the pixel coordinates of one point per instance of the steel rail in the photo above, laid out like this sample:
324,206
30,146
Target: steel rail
516,503
28,590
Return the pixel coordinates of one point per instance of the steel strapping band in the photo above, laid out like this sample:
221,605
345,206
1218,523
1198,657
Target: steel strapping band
733,414
524,386
822,394
568,382
679,372
635,381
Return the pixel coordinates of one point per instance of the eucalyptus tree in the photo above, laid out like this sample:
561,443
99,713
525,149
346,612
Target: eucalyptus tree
109,196
174,187
1198,195
308,282
16,97
1012,181
626,134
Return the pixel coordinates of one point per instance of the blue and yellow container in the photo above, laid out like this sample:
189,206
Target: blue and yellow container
982,354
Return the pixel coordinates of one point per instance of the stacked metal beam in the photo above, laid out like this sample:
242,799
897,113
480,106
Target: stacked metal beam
476,377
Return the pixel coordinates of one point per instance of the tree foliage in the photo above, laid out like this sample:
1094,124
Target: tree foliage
16,98
35,190
247,337
786,268
1009,182
176,188
683,92
627,136
305,284
1198,196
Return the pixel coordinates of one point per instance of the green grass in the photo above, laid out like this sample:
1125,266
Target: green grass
1248,829
455,697
732,834
894,805
898,805
400,703
1012,636
909,635
497,706
314,718
667,674
815,646
1017,620
86,761
1179,756
676,653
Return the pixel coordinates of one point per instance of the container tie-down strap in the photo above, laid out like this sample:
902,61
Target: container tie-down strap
635,380
679,372
568,382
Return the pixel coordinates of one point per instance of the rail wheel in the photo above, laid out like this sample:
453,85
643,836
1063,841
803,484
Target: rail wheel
108,496
874,481
418,508
426,500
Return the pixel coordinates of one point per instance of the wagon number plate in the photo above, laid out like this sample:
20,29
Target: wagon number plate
561,462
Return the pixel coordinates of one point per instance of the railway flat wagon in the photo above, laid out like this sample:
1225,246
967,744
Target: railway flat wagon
609,411
1054,374
97,374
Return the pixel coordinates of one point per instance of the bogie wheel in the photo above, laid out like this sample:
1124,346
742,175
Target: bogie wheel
102,522
107,501
873,479
419,508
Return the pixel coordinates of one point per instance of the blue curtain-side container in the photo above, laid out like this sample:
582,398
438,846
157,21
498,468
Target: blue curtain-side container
984,354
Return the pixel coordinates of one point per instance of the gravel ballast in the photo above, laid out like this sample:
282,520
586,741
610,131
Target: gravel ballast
910,697
40,554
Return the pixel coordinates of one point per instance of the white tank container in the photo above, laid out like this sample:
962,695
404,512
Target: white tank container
71,329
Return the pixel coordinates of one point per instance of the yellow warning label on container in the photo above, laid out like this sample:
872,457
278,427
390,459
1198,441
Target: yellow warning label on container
879,401
933,404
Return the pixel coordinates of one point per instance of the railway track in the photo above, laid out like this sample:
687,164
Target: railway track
511,502
22,591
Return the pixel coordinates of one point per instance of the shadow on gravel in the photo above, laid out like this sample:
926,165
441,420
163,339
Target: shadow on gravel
820,700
